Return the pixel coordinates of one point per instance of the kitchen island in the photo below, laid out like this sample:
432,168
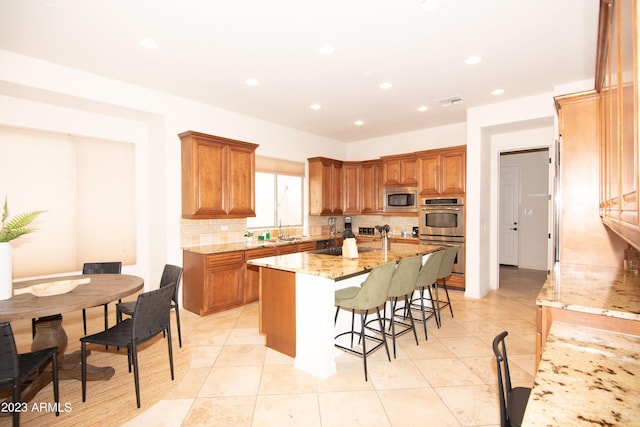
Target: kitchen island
297,299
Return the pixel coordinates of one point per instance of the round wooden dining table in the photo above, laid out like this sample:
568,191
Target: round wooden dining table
101,289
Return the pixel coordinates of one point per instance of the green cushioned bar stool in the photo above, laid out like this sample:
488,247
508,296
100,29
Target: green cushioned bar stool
426,277
371,295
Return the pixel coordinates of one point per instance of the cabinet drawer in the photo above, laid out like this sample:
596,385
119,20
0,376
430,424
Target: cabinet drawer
259,253
225,258
287,249
307,246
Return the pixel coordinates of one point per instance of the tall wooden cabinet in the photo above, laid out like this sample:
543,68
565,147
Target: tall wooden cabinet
325,186
351,188
218,177
617,84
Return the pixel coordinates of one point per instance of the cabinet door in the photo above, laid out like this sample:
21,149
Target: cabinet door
224,280
371,187
452,171
241,182
325,186
252,273
400,171
204,168
429,166
351,188
336,189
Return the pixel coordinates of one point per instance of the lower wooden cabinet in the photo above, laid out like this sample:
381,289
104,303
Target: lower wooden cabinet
213,282
220,281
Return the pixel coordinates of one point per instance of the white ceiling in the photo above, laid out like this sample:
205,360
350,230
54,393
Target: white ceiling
208,48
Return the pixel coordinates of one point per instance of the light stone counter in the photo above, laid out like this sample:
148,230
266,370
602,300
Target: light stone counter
253,244
605,291
339,268
586,377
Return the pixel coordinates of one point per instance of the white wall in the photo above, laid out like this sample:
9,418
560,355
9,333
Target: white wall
40,95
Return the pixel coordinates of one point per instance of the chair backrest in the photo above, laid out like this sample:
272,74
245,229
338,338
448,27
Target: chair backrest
504,379
375,288
151,314
430,269
449,257
403,281
9,367
171,276
102,268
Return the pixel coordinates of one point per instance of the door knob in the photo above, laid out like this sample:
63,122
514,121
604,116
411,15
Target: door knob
514,229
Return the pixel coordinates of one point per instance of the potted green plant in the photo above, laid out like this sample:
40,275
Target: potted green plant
11,229
248,234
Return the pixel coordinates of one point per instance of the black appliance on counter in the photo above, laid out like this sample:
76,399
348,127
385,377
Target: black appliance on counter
348,230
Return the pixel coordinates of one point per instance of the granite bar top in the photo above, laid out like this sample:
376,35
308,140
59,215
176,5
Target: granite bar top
606,291
337,267
253,244
586,377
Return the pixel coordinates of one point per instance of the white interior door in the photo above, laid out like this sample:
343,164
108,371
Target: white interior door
509,208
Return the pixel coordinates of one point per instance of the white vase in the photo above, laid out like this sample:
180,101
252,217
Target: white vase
6,277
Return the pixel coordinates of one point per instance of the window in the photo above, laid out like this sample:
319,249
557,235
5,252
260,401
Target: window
278,201
85,185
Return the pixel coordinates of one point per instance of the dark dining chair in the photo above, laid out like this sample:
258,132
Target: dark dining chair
100,268
513,400
17,369
151,316
171,275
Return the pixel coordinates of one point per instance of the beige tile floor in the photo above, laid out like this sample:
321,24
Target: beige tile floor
448,380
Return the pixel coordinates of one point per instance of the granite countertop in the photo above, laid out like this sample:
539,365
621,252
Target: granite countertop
606,291
254,244
337,267
586,376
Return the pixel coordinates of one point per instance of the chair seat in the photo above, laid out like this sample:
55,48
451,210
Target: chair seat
517,404
30,363
344,296
127,307
118,335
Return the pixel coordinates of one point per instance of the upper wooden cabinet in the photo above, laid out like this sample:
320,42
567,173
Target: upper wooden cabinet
371,187
442,171
218,177
325,186
351,188
400,170
617,84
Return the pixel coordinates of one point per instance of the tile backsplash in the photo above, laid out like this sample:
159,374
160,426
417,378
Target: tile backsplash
195,232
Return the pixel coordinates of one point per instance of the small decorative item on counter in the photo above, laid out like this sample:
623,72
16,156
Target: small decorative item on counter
349,248
248,234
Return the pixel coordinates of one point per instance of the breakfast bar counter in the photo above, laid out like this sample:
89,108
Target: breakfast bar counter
297,299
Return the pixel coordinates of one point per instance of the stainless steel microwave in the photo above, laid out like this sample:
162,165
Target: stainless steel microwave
401,199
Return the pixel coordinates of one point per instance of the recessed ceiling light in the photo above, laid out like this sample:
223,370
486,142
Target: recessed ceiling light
327,49
252,82
430,5
473,59
423,108
148,43
385,85
315,106
358,123
497,92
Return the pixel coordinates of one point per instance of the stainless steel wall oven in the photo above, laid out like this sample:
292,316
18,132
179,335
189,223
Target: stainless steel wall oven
442,223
